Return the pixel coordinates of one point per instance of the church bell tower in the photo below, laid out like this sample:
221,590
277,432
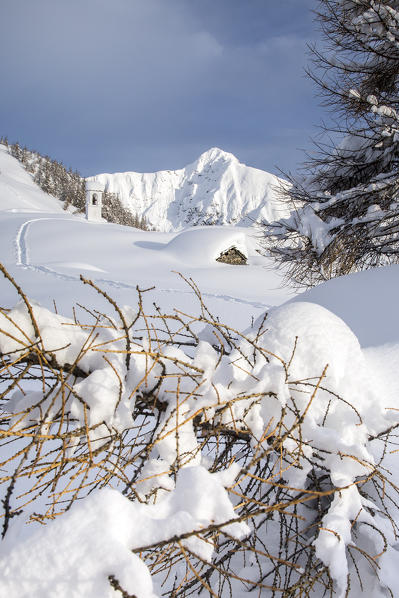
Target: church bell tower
94,199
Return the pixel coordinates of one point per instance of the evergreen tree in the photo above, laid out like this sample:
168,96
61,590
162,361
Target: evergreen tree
16,150
346,206
114,211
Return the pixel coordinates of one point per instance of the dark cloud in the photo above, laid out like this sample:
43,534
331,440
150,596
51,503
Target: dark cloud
110,85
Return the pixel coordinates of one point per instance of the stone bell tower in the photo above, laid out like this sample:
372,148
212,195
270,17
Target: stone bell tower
94,200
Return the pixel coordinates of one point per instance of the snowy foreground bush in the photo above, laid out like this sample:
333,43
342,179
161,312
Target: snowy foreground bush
163,454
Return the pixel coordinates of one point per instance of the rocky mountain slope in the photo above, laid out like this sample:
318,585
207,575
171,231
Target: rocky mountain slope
215,189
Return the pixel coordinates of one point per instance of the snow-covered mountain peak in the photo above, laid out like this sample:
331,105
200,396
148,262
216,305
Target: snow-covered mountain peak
214,189
214,154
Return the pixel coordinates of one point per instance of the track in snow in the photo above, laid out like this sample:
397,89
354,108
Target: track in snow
23,261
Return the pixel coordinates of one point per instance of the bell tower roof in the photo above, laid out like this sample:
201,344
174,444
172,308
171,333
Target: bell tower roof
94,186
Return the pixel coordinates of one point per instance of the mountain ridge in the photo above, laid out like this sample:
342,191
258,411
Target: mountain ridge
215,189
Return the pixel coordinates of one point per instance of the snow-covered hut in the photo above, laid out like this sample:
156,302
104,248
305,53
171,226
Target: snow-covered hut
232,256
205,244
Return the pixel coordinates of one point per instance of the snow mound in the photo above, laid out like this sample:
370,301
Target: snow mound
215,189
323,339
367,301
75,266
96,538
203,245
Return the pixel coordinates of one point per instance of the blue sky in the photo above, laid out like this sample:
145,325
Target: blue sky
116,85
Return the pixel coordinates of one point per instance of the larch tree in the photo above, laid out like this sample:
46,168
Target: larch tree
147,453
345,214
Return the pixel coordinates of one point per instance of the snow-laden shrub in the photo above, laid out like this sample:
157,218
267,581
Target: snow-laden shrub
177,455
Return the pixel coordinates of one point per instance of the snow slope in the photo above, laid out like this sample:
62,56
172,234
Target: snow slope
18,192
367,301
215,189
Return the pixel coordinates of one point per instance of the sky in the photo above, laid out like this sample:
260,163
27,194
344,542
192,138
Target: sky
146,85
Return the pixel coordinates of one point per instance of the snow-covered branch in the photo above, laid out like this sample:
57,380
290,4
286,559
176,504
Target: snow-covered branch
210,458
